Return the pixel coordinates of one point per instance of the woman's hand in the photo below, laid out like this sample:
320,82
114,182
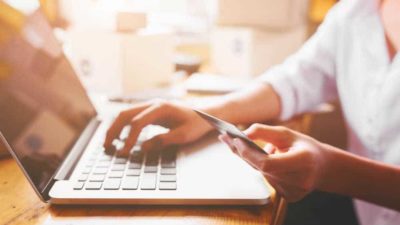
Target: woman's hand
184,124
295,162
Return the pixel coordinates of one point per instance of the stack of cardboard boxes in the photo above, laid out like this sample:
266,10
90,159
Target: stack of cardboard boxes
121,63
253,35
128,57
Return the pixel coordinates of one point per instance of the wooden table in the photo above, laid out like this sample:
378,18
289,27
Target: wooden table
20,205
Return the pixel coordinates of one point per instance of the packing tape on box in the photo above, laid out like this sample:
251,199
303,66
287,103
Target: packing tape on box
49,9
11,17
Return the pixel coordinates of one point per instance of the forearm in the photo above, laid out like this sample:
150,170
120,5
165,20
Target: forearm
361,178
257,102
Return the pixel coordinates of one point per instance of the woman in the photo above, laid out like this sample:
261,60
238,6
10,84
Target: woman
352,57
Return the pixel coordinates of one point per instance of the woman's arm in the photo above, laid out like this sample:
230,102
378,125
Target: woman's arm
257,102
361,178
303,81
299,164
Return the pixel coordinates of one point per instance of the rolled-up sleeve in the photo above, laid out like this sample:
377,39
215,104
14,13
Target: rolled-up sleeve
307,78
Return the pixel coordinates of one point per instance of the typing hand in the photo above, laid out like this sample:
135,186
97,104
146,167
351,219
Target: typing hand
294,165
183,123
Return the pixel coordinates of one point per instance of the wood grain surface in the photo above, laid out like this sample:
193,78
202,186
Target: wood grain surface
19,204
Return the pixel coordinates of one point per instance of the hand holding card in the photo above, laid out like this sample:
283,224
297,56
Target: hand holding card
224,127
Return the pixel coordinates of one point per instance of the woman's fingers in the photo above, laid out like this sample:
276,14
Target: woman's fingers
229,141
148,116
276,135
252,156
294,172
175,136
121,121
268,163
270,148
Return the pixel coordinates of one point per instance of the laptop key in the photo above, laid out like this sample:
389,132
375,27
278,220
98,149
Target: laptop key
93,185
168,178
99,147
168,171
83,177
100,170
116,174
86,170
112,184
120,160
130,183
168,164
150,169
103,164
167,186
95,153
92,158
106,158
149,181
118,167
133,172
135,165
79,185
89,164
97,177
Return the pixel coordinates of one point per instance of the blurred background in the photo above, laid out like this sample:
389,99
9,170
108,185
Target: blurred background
133,50
113,43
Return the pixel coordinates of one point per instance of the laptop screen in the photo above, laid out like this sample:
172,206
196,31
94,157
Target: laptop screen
43,106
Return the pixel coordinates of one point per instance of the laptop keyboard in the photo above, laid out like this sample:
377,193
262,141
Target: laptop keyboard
154,170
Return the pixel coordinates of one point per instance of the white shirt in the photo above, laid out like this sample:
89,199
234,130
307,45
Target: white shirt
347,58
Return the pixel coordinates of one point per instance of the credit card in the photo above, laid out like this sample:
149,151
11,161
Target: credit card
224,127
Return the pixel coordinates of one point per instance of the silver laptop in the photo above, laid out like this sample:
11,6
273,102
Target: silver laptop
51,128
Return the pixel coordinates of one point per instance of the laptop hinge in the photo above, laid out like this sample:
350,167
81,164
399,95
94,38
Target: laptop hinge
46,190
70,161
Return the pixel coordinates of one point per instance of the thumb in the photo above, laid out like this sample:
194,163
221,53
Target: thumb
264,163
290,160
279,136
282,161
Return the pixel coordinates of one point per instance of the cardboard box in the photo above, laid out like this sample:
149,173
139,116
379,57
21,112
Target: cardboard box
131,21
278,14
117,63
248,52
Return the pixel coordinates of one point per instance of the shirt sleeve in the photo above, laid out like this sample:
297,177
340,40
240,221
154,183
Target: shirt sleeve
307,78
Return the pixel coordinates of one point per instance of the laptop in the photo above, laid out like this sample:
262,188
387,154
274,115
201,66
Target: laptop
51,128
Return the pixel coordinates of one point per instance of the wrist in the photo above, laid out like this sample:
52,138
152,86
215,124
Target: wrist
338,171
326,161
220,108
